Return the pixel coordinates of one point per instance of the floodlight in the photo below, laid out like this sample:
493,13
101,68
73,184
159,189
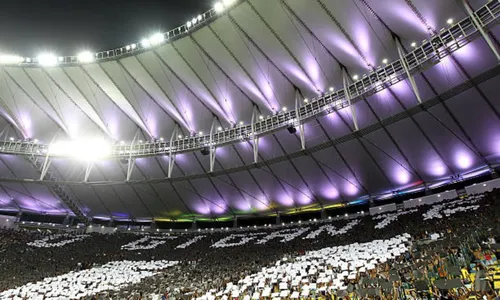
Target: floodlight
10,59
157,39
449,21
86,57
331,89
200,133
61,59
241,123
200,17
355,77
284,108
385,61
219,128
189,24
228,2
219,7
47,60
194,21
86,149
306,100
28,60
11,139
133,46
35,141
179,136
145,43
161,139
414,44
127,47
261,117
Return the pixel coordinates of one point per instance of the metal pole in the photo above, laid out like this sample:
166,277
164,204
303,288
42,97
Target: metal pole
348,98
402,58
298,123
171,156
255,138
473,16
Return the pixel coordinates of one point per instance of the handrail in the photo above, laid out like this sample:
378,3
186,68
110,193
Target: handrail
421,58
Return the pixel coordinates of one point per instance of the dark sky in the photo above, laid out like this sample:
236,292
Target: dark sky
65,27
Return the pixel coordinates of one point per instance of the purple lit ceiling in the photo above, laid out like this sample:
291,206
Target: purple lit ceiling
257,55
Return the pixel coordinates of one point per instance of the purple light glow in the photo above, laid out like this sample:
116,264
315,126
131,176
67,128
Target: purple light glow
437,168
314,72
299,74
285,200
406,16
401,176
219,207
201,208
363,39
350,189
303,199
330,193
463,160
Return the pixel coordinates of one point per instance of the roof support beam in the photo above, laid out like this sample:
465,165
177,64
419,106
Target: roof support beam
131,160
47,161
298,123
88,169
171,156
212,147
345,80
255,139
407,70
479,27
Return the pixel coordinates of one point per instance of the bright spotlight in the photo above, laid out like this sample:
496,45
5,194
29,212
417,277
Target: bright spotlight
200,133
199,18
47,60
194,21
86,57
331,89
127,47
261,117
157,39
86,149
414,44
228,2
219,128
284,108
10,59
306,100
219,7
146,43
189,24
385,61
179,136
449,21
355,77
241,123
133,46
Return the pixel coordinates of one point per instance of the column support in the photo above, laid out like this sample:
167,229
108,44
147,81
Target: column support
480,28
407,70
348,98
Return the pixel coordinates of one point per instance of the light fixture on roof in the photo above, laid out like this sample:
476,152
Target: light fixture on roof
11,139
140,141
219,7
86,149
157,39
133,46
385,61
261,117
355,77
219,128
10,59
85,57
414,44
284,108
331,89
47,60
179,136
161,139
189,24
127,47
60,58
146,43
194,21
241,123
449,21
200,133
306,100
35,141
200,17
228,2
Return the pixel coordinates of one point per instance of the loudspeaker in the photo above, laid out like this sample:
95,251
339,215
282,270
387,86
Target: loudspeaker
292,129
205,151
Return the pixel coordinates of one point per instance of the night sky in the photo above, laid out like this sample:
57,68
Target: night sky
65,27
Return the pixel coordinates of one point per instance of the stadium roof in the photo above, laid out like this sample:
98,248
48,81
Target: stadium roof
291,68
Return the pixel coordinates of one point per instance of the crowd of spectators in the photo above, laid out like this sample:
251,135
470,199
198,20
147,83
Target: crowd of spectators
202,268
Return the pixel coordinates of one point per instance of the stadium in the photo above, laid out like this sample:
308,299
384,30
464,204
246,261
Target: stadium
264,149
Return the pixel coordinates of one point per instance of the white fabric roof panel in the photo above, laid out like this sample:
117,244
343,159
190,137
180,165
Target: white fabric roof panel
263,53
